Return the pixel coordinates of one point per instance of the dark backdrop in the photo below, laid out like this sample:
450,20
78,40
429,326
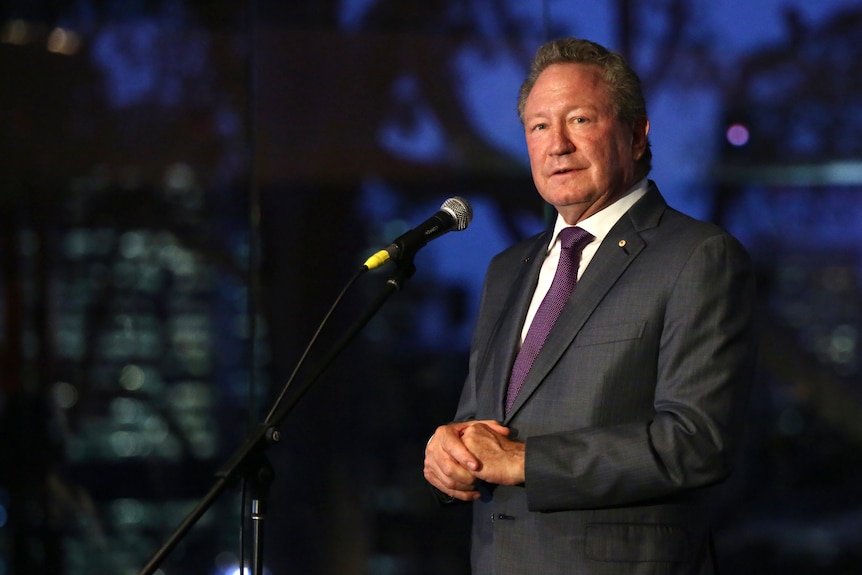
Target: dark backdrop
187,185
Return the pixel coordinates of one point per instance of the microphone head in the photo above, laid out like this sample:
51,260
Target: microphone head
460,209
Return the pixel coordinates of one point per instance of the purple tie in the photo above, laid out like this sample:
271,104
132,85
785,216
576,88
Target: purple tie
572,242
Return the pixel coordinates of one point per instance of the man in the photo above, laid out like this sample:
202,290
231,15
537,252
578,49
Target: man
602,460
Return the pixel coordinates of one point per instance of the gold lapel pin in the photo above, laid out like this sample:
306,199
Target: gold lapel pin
622,243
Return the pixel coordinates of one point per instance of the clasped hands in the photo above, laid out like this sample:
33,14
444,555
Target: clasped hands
459,454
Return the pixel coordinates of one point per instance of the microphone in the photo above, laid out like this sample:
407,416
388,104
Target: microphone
454,215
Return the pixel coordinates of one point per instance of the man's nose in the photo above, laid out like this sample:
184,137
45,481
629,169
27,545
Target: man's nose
560,142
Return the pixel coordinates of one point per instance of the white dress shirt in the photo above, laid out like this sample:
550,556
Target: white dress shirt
598,224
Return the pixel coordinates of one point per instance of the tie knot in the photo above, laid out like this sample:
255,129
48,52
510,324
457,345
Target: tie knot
574,237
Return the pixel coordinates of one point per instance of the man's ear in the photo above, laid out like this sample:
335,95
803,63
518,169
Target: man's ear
640,133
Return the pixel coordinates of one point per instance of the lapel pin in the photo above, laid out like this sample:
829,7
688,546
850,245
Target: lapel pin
622,243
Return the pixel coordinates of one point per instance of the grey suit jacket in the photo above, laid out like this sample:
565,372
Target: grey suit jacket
633,406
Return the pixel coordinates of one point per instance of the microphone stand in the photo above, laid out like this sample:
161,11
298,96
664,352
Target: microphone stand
249,462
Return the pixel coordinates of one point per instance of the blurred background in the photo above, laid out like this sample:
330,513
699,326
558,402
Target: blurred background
187,185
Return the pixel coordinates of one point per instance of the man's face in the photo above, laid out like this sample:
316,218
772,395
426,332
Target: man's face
582,156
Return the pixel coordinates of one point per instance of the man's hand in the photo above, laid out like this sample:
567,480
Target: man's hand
449,463
500,460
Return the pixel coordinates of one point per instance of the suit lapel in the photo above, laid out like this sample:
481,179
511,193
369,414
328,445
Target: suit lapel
503,344
618,250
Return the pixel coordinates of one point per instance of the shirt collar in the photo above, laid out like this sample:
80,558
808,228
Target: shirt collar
600,223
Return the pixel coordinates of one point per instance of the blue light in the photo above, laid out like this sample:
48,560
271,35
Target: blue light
234,570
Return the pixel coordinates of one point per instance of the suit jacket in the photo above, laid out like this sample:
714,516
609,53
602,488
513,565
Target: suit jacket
632,408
